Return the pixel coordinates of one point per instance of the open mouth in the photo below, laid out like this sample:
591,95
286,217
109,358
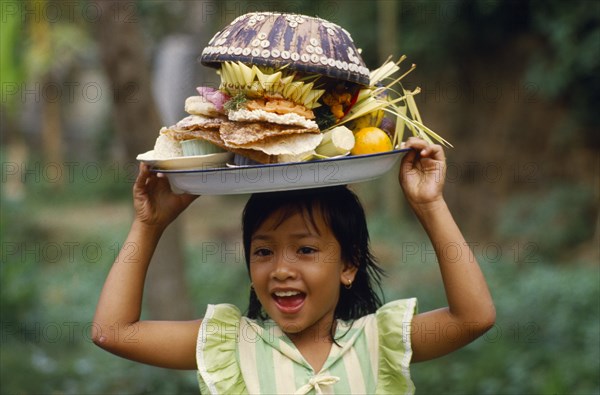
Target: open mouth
289,302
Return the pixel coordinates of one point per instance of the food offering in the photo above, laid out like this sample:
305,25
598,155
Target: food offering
294,89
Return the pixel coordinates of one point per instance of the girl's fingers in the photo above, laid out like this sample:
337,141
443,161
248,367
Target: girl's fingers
148,183
408,161
416,143
152,181
426,150
143,175
433,151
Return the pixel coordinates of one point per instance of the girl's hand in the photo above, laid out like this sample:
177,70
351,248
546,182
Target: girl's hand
154,202
422,172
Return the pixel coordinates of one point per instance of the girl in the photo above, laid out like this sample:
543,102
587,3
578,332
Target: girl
314,322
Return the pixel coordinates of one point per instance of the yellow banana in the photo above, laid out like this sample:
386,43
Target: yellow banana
371,119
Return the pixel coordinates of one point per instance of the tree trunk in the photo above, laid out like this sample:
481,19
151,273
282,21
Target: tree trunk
387,33
52,130
137,123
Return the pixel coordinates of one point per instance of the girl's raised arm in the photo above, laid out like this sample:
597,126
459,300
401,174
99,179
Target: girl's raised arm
117,326
470,312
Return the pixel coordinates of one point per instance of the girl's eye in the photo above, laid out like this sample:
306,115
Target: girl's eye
262,252
307,250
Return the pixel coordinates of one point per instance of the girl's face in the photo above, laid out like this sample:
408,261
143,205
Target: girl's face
296,269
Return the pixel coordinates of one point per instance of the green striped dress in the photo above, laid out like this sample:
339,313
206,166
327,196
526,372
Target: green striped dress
237,355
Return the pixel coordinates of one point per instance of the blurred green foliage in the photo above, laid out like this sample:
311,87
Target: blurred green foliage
545,340
554,223
10,54
564,63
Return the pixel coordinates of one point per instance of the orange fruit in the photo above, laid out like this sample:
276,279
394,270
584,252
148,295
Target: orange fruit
371,140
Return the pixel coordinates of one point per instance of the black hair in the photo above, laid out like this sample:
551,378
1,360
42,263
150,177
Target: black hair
344,214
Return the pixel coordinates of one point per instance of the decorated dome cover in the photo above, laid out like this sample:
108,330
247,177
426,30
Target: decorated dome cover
304,43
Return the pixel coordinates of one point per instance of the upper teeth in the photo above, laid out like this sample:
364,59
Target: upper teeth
283,294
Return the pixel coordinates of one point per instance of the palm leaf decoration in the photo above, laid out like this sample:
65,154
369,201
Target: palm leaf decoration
387,94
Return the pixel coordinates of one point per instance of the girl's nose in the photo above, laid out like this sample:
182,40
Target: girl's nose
283,270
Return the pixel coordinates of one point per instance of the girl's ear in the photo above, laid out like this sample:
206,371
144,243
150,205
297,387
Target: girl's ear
348,274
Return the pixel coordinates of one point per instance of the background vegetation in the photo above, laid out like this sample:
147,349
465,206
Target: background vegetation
513,84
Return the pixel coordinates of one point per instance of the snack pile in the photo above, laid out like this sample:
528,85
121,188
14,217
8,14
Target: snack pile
293,88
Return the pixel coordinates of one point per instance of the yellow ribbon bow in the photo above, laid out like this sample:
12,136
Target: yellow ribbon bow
315,382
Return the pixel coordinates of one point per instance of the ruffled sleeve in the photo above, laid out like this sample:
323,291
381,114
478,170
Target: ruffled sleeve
216,351
394,327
